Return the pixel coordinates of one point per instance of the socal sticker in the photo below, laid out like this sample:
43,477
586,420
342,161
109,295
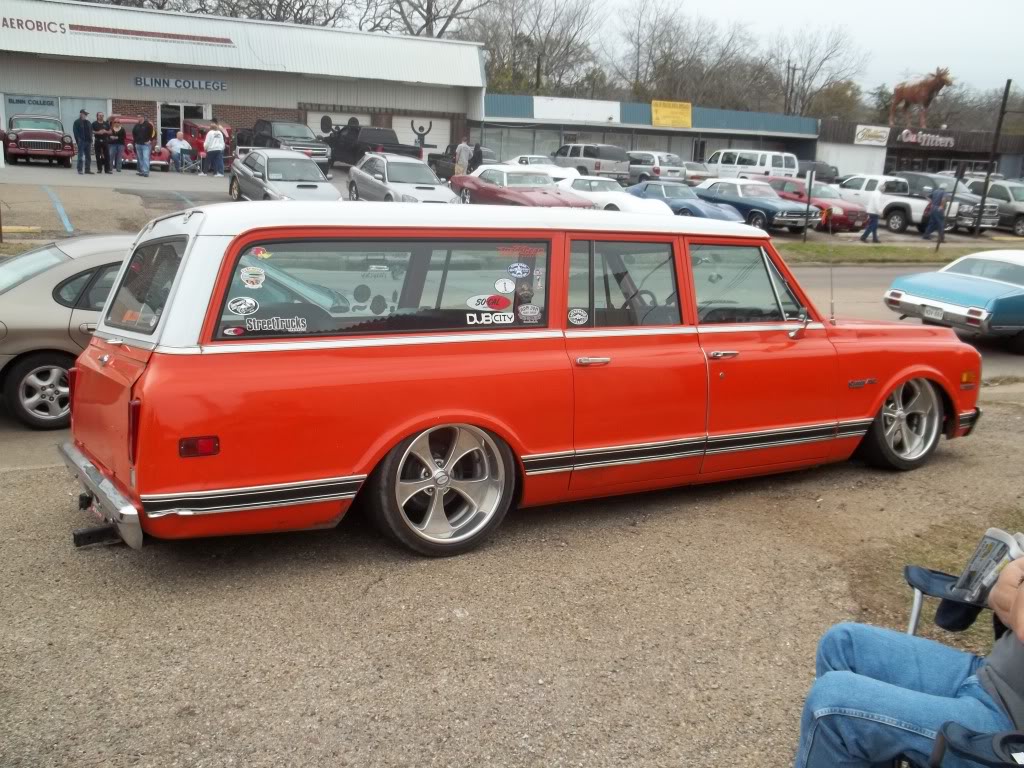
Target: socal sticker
529,313
488,303
242,305
519,270
252,277
578,316
504,285
236,331
490,318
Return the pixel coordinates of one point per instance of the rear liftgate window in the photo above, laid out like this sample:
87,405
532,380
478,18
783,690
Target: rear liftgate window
345,287
145,286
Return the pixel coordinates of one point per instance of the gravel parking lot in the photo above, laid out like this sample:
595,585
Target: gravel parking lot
673,628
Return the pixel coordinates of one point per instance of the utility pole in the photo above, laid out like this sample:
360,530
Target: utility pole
992,158
789,69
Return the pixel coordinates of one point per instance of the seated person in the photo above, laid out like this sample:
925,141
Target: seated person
179,149
880,694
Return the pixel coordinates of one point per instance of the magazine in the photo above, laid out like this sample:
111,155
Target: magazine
996,549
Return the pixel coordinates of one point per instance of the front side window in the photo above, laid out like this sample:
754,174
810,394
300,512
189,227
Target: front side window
529,180
871,184
250,161
728,158
855,183
622,284
733,285
562,152
142,295
997,192
574,151
309,288
728,190
714,158
491,177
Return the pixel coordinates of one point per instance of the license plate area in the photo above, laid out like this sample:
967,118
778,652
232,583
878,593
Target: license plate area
933,313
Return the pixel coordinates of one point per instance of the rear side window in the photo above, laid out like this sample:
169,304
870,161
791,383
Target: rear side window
790,161
611,152
590,152
289,289
142,295
776,161
622,284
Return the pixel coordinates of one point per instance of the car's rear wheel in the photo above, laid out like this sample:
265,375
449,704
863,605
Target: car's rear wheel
757,219
443,491
583,170
611,207
1018,226
684,212
466,196
897,221
907,428
36,390
644,177
388,199
796,230
234,190
353,191
1016,344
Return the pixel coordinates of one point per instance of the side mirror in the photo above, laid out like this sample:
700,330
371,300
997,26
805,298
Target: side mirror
330,176
805,319
379,176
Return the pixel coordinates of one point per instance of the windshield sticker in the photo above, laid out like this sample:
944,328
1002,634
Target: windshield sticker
490,318
242,305
259,252
252,277
578,316
275,176
519,269
290,324
235,331
522,250
485,303
504,285
529,313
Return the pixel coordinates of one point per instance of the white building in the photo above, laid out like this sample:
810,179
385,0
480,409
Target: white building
57,57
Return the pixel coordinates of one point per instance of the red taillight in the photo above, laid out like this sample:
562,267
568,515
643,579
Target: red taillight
893,298
656,170
974,317
191,447
72,378
379,148
134,408
597,165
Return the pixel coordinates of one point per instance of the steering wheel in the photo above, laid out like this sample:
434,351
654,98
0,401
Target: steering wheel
643,294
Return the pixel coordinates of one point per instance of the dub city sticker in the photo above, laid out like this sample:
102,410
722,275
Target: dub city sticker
578,316
519,270
290,324
488,303
490,318
252,277
242,305
504,285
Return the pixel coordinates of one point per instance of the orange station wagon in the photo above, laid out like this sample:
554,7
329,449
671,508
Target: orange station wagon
260,366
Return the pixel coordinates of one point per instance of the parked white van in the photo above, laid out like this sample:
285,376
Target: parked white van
749,163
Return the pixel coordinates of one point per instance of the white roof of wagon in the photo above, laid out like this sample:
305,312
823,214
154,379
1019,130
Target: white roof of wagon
83,30
236,218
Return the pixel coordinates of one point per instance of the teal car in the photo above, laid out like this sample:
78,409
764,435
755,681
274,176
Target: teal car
981,294
759,204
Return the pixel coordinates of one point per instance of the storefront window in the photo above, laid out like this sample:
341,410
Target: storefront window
545,142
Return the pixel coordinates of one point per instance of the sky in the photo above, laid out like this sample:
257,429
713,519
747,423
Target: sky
981,41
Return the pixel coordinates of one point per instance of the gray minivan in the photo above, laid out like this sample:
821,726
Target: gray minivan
594,160
645,165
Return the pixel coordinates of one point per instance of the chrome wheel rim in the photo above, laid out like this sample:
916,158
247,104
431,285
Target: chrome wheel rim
44,392
757,220
910,419
896,222
353,193
235,192
465,196
450,483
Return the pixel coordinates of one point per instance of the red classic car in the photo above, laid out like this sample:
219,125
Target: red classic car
195,135
160,157
37,136
837,214
507,185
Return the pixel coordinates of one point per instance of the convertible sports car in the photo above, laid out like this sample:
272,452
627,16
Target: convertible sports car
981,294
759,204
683,200
837,215
514,185
608,194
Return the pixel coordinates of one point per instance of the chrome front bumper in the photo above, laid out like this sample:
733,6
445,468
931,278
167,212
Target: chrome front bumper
967,221
111,503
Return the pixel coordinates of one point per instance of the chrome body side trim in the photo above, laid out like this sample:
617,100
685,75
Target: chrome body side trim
756,327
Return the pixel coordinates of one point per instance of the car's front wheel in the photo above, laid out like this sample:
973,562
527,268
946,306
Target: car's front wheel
353,191
611,207
1018,226
907,428
897,221
757,219
36,390
467,198
684,212
796,230
234,190
443,491
1016,343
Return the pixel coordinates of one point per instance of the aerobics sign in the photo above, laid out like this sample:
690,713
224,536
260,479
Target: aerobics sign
181,84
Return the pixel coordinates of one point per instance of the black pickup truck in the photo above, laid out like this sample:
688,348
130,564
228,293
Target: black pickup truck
282,134
443,163
350,142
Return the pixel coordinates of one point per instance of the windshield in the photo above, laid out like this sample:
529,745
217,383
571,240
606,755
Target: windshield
820,190
989,268
678,191
292,131
698,167
293,169
529,180
757,190
411,173
36,123
16,271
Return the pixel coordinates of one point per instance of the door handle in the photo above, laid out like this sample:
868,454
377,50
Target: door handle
114,342
87,327
723,355
593,360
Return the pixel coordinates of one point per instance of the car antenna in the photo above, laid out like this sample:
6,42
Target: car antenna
831,296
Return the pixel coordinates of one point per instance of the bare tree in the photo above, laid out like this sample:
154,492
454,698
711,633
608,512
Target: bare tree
808,63
431,18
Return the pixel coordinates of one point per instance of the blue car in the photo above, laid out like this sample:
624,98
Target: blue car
981,294
682,200
759,204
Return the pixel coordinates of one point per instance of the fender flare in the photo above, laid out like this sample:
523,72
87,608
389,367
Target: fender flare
918,371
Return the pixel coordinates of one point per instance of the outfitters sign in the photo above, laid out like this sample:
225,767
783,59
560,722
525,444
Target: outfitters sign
924,139
181,84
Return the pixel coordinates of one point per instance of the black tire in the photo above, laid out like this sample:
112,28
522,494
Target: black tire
467,196
1016,344
875,451
921,227
384,510
353,191
611,207
234,191
583,171
388,199
796,230
1018,226
683,212
758,220
643,177
897,221
66,162
15,381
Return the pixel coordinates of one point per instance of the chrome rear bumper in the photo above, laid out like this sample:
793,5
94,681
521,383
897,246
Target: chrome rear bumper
110,502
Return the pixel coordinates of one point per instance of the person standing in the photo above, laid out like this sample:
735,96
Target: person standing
463,154
178,148
116,144
143,134
875,204
477,158
101,137
82,130
214,146
937,219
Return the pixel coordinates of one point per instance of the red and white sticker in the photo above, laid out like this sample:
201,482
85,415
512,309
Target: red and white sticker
488,303
234,331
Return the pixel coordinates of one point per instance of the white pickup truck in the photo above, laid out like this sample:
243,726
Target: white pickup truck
900,209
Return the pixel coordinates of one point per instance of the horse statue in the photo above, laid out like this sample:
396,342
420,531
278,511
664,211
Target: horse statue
921,94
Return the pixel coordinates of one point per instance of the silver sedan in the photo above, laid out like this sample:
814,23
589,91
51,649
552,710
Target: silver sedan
50,303
279,174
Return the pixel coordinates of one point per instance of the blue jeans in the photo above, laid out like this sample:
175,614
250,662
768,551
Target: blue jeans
176,158
116,156
142,152
935,222
880,694
215,157
84,156
871,230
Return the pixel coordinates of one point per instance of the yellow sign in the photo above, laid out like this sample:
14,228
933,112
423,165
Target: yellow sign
672,114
